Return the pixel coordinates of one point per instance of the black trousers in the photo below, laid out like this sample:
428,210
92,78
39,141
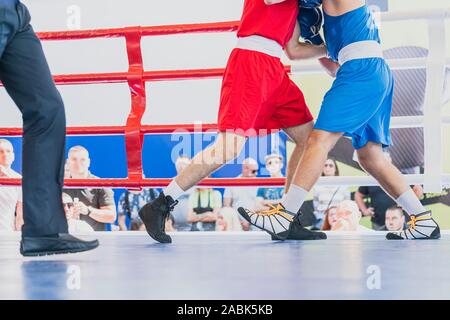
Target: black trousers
27,79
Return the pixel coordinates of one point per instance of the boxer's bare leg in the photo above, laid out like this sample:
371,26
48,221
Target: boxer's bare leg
226,148
299,135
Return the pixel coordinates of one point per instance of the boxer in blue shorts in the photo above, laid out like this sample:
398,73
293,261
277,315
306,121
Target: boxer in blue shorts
358,105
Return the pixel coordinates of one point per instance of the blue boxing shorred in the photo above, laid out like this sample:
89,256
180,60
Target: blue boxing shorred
359,102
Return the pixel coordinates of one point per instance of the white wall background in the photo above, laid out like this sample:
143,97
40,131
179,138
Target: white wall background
168,102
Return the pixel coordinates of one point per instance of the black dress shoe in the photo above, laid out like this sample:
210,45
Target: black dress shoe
54,244
298,232
154,215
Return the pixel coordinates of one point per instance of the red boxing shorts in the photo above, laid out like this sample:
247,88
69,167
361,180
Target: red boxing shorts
258,96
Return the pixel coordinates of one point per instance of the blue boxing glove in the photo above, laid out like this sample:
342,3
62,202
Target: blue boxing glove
309,3
310,21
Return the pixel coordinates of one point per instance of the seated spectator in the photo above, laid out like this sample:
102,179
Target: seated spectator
205,204
228,220
130,202
11,206
328,196
235,197
95,206
266,196
73,219
330,219
395,219
347,217
378,202
170,224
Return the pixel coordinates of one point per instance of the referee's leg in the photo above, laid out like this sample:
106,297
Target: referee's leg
26,76
27,79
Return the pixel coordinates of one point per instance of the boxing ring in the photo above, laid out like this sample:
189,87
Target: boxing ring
237,265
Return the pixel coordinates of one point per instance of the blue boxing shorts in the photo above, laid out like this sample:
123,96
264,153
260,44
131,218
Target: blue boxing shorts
359,102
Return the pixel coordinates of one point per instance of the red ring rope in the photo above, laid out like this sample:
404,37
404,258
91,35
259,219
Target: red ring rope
136,78
156,182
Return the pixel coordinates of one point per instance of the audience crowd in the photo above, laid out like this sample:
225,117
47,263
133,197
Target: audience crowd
202,209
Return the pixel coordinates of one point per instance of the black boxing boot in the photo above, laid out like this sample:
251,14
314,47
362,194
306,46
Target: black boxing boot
154,215
421,227
298,232
276,220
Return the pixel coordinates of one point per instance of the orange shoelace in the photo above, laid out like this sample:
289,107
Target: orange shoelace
278,209
414,219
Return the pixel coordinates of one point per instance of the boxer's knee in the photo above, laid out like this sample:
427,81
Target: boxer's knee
300,134
371,158
226,153
228,147
324,140
364,160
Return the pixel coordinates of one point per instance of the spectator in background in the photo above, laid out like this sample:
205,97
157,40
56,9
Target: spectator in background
347,217
266,196
130,202
181,210
328,196
205,204
95,206
235,197
228,220
73,219
378,202
11,206
330,219
395,219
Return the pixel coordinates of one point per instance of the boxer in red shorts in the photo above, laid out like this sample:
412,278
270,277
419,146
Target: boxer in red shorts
257,97
257,94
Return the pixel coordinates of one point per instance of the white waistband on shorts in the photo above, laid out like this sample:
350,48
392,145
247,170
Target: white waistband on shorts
360,50
261,44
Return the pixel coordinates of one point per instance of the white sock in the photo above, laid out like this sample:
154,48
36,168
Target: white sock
410,203
173,190
294,199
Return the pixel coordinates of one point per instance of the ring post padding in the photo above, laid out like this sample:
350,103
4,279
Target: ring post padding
436,61
134,139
